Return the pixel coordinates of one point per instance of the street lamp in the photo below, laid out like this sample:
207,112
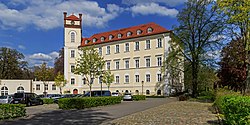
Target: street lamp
101,83
142,83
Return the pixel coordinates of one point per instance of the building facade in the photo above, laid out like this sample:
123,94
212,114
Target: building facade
134,55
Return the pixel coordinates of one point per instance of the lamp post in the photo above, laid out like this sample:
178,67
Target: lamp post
84,81
101,83
142,83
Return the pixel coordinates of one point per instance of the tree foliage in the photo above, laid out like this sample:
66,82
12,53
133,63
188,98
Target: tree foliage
59,62
233,66
89,65
108,78
198,31
12,64
60,81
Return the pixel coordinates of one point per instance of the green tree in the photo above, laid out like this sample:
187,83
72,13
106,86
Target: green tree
89,65
59,62
198,31
11,63
108,78
44,74
237,13
60,81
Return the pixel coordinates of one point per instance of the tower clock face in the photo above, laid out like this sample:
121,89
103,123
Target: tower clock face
72,22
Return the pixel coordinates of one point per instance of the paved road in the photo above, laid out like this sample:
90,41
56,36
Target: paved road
51,115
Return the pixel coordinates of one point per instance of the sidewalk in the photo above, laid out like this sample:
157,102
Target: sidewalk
174,113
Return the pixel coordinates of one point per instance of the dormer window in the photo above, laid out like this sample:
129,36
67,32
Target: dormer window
86,41
102,39
94,40
110,37
150,30
119,35
138,32
129,34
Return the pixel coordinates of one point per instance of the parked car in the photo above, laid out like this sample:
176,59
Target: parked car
27,98
54,96
127,96
115,94
6,99
96,93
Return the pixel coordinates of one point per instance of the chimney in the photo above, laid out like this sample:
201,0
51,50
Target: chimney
65,14
80,16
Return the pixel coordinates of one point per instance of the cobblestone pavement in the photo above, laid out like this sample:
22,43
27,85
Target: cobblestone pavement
174,113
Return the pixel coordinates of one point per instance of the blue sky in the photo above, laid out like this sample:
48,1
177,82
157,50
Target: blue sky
35,27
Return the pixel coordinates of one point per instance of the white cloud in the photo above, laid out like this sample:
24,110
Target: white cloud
38,58
21,47
153,8
171,3
54,54
47,15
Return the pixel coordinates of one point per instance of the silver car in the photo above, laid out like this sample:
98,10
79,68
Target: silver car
6,99
127,96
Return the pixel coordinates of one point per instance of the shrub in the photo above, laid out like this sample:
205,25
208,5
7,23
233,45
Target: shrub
236,110
139,97
207,95
12,111
48,101
87,102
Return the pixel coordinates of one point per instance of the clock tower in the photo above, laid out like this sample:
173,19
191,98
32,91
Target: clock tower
72,39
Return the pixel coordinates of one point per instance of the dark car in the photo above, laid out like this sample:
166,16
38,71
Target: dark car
95,93
27,98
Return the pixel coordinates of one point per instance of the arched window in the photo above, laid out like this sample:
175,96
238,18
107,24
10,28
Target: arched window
119,35
150,30
20,89
73,35
158,92
137,92
4,90
110,37
138,32
129,34
147,92
126,91
102,39
94,40
86,41
117,90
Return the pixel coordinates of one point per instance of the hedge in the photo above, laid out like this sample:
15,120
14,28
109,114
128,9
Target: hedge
12,111
87,102
48,101
139,97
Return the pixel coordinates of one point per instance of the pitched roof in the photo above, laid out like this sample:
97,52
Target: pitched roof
72,17
156,29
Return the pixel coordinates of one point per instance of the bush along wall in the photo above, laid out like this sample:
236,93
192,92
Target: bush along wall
8,111
48,101
139,97
87,102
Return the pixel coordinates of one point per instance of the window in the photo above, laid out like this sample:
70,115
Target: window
119,35
148,62
108,65
20,89
117,79
159,43
137,63
148,78
137,46
72,81
100,50
138,32
4,91
126,78
110,37
86,41
126,64
150,30
53,87
46,87
94,40
158,77
147,92
108,50
72,37
117,65
159,62
37,86
72,68
102,39
72,53
127,47
117,49
137,78
129,34
147,44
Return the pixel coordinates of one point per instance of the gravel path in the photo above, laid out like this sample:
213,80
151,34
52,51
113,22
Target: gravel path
174,113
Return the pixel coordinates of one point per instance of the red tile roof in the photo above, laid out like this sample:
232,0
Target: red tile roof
72,17
144,27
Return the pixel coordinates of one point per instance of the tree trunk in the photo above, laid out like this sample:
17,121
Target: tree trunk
60,90
194,79
90,87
